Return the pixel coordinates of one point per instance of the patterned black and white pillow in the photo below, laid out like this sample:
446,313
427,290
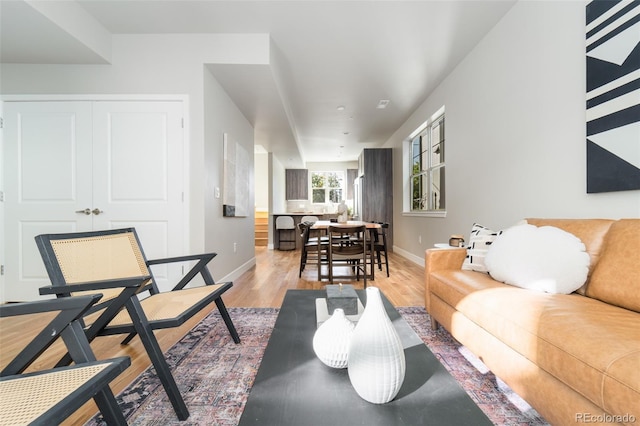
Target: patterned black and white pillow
480,241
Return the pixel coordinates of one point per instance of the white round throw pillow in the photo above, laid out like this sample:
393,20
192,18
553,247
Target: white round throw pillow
545,259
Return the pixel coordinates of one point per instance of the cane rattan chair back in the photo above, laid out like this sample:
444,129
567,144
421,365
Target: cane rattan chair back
95,262
101,256
97,258
48,397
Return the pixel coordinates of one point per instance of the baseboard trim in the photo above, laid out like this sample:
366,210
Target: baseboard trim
410,256
236,273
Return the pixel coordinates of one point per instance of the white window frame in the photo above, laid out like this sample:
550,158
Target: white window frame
327,189
408,175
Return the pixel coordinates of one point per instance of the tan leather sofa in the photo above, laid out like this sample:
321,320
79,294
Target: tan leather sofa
574,357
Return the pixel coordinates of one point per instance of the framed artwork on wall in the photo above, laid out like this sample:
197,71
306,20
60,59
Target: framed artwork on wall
613,95
235,191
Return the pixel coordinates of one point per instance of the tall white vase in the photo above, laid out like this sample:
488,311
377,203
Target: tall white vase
376,362
331,340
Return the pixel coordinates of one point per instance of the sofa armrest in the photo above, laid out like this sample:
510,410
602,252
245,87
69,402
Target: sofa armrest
438,260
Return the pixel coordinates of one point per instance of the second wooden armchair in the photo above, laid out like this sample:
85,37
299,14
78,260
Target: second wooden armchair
47,397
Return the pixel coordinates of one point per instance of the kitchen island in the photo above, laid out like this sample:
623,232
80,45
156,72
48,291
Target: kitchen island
297,217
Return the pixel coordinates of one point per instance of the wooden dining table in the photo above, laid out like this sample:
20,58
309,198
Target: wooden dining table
323,225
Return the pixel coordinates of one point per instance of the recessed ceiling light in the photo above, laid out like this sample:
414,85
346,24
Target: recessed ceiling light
345,133
382,104
340,108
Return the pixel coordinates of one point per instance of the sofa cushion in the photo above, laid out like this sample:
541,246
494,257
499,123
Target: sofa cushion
542,258
590,231
616,278
591,346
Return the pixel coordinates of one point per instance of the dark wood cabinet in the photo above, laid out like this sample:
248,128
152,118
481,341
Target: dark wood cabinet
376,187
352,174
297,184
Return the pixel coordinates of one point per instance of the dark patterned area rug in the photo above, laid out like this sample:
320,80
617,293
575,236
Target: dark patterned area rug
215,375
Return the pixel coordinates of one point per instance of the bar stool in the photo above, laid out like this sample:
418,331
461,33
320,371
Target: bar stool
309,219
286,230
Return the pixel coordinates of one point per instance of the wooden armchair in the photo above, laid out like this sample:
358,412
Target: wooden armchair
48,397
76,261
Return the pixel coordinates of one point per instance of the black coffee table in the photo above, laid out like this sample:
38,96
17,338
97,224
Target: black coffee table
293,387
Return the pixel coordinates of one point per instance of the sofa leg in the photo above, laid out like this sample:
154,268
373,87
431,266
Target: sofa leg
434,323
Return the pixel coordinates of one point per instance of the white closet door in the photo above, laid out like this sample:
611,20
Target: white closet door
48,162
120,161
138,176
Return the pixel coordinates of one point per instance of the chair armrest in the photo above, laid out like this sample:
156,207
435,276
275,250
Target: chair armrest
199,268
69,310
203,256
77,305
438,260
94,285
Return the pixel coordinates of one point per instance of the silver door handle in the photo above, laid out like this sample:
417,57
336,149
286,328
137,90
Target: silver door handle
86,211
96,211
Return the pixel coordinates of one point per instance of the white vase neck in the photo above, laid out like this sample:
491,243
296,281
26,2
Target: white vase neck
373,298
338,313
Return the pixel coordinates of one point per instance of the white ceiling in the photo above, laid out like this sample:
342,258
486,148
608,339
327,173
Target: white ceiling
326,54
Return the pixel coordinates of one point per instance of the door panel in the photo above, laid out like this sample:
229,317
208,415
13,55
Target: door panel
48,178
138,157
137,150
120,161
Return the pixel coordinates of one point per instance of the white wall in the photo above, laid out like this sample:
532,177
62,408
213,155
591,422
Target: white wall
233,238
261,162
277,202
165,65
515,131
2,234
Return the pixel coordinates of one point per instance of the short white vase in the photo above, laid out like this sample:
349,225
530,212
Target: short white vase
331,340
376,362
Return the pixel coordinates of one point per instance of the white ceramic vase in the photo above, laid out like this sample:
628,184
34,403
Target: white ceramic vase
331,340
376,362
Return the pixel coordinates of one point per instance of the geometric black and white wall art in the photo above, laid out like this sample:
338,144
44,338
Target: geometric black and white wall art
613,95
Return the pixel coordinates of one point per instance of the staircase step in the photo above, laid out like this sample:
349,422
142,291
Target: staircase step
261,228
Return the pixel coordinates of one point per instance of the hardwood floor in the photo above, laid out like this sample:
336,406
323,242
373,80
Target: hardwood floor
263,286
277,271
